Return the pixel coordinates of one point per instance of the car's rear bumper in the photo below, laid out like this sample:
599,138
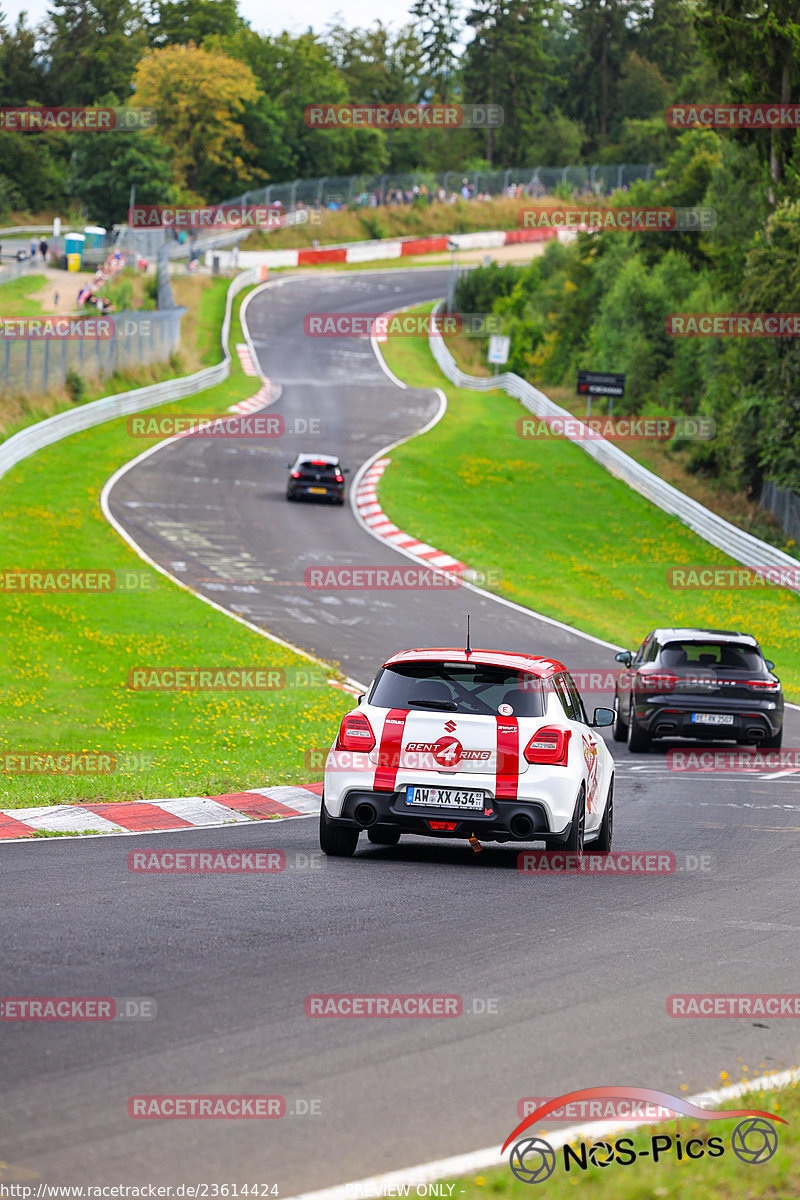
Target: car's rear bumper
669,717
505,820
316,491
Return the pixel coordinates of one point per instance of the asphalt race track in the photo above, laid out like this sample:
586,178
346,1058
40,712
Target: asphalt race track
577,970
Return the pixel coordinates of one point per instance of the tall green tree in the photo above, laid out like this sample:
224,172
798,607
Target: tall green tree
438,25
178,22
755,47
604,31
22,71
93,47
505,65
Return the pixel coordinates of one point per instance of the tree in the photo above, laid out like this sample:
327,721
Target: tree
21,68
178,22
439,29
93,47
755,46
200,96
603,30
504,65
293,73
103,181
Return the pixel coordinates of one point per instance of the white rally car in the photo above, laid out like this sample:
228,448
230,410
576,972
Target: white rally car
469,743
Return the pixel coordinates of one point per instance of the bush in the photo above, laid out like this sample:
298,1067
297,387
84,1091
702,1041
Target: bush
76,386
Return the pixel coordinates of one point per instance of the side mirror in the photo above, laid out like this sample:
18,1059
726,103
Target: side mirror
345,470
602,716
288,466
625,657
770,664
360,698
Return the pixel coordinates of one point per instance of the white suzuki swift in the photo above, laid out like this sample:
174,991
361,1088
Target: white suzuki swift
475,744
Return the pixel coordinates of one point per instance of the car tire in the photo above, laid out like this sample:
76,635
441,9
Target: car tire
602,844
619,730
336,841
573,842
638,740
384,837
773,743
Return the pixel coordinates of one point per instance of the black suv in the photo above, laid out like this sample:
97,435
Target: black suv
697,683
316,475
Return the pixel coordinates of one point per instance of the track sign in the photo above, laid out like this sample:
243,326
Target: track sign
600,383
499,347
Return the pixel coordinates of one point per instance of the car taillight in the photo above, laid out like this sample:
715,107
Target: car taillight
659,682
764,685
340,478
549,746
443,826
355,733
295,474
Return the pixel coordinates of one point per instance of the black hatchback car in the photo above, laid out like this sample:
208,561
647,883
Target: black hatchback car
697,683
316,476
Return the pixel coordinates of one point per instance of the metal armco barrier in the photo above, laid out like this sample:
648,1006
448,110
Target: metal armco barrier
738,545
44,433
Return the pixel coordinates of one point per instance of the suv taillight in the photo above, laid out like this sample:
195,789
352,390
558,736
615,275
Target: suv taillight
355,733
549,746
764,685
659,681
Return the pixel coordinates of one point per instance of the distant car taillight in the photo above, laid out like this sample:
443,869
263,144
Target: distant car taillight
764,685
355,733
659,681
340,478
549,746
295,474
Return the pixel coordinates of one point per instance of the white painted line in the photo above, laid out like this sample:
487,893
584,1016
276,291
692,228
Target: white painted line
482,1160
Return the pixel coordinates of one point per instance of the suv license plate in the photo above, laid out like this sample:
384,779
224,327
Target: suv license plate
434,797
712,718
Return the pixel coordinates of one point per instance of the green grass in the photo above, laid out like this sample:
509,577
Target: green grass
724,1177
64,659
13,296
569,539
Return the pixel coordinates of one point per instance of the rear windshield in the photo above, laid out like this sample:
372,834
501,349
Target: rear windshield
714,656
457,688
323,468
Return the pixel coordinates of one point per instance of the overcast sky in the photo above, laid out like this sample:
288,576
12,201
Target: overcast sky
268,18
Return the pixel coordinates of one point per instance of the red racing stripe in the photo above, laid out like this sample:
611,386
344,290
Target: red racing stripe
389,750
507,758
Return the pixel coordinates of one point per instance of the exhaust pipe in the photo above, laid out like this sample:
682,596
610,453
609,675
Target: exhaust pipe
366,815
521,826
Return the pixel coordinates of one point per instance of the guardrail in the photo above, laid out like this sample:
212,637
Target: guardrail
22,266
44,433
738,545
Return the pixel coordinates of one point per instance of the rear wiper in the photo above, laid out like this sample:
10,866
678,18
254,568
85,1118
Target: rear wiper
444,705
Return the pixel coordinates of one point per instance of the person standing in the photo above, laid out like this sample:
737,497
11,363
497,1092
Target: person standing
43,249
